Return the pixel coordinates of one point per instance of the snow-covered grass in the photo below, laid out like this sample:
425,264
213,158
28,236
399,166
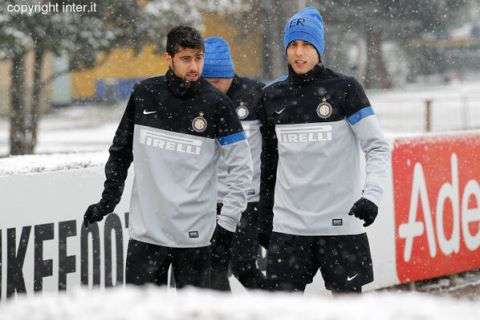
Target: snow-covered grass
154,303
73,129
53,162
455,106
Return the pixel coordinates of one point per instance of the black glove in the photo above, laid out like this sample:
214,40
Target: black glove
221,244
264,222
96,212
366,210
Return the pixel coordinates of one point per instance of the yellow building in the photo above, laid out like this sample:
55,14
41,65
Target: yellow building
121,68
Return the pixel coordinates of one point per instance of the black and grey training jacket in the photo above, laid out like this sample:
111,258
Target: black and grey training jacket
245,94
314,128
174,133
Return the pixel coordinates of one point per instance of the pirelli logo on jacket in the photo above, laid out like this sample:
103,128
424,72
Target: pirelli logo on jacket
303,133
170,142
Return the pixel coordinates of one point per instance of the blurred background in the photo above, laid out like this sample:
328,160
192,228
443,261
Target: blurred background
67,67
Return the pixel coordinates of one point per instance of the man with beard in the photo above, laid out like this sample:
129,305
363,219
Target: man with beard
174,129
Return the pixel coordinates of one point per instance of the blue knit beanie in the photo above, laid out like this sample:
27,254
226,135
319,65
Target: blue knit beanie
306,25
218,60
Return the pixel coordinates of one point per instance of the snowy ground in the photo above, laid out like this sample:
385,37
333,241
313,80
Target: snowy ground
454,107
154,303
73,129
401,111
465,286
51,162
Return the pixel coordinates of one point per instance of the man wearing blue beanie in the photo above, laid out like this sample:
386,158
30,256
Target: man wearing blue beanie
314,124
244,93
306,25
218,59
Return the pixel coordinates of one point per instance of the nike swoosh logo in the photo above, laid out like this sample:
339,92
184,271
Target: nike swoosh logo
351,278
280,111
148,112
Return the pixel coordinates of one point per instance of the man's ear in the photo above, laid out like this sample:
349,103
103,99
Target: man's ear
168,59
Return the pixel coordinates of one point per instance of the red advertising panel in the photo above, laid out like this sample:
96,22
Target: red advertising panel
437,206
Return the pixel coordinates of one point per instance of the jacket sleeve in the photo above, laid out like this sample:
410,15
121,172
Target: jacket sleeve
366,129
269,161
121,155
237,161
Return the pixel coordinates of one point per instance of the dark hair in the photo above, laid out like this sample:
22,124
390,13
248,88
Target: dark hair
183,37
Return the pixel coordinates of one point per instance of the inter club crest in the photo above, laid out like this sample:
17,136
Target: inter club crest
242,111
199,124
324,109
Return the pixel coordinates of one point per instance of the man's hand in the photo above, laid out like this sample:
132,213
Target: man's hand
219,208
221,244
366,210
264,223
96,212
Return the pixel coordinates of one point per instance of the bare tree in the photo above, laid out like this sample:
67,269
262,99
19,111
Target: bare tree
81,37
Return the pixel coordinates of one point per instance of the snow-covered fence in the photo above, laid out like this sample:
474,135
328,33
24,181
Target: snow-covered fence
428,225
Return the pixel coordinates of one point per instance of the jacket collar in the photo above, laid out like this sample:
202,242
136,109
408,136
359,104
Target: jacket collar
180,87
298,79
233,86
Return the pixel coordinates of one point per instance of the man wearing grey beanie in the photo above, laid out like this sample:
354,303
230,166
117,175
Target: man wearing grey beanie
219,70
314,124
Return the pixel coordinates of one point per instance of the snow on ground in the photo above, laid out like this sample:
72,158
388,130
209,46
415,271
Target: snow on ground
454,107
154,303
73,129
50,162
401,111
